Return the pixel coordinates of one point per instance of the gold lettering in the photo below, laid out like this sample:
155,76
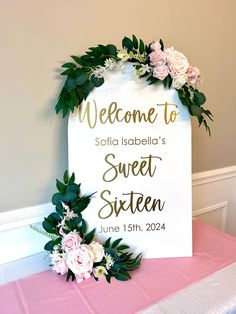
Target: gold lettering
135,202
135,168
87,112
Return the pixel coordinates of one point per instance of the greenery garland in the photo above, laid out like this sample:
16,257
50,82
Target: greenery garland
85,74
74,252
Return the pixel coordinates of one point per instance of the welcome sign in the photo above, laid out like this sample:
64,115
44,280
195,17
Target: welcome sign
131,144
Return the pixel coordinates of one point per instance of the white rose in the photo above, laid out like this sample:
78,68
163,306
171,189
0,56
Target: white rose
179,81
97,250
177,62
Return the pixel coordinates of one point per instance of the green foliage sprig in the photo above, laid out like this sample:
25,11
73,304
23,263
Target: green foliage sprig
117,261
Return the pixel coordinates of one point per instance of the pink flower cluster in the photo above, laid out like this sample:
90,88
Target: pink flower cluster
173,62
77,257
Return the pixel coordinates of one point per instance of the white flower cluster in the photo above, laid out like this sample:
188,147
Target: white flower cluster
68,214
108,65
124,55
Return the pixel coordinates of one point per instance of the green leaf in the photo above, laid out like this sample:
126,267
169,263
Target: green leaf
49,246
71,275
84,226
141,46
166,81
97,81
135,42
69,65
71,105
83,203
127,43
68,72
87,87
77,220
162,44
104,49
81,76
89,237
73,188
70,84
64,110
59,104
108,278
55,217
121,277
59,209
77,59
112,50
72,178
60,186
66,177
152,80
196,111
116,242
199,98
46,225
70,196
57,198
122,247
107,243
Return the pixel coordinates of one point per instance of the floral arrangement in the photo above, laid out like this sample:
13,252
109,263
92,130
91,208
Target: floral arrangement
153,62
74,252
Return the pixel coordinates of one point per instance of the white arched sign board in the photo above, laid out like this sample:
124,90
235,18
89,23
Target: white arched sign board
131,144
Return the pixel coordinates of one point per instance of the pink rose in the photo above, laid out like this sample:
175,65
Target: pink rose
177,62
160,71
60,266
157,57
80,262
156,46
71,241
193,74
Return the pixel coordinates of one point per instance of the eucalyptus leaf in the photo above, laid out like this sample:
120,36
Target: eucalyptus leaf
196,111
112,50
199,98
97,81
57,198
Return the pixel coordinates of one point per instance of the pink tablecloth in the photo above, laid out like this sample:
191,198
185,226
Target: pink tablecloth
48,293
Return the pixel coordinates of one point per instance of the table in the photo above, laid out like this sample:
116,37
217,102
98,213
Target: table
155,282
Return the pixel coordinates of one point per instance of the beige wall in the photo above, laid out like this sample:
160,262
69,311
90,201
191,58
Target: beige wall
37,36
